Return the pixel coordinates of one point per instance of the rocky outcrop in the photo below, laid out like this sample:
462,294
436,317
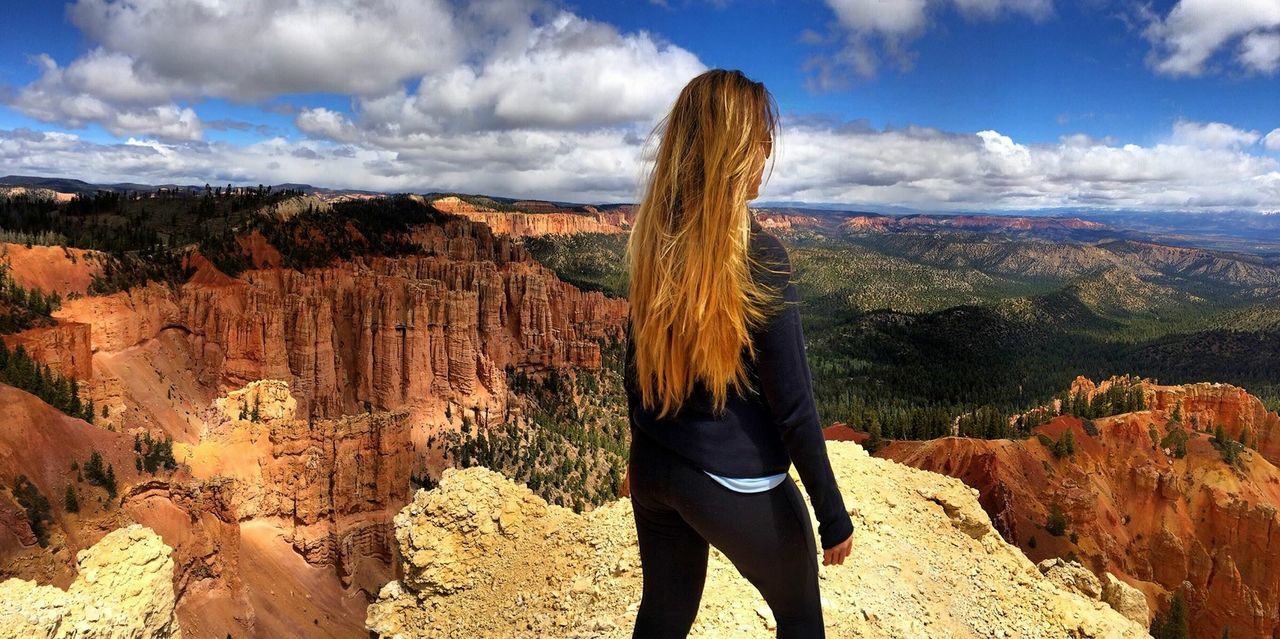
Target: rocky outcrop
64,347
34,193
1125,599
1072,576
1135,512
124,589
786,222
484,557
1207,405
1122,597
526,223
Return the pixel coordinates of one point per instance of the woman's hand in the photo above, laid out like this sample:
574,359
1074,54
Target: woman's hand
836,554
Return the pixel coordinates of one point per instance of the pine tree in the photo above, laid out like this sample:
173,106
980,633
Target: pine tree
71,501
1056,525
111,481
1172,624
873,443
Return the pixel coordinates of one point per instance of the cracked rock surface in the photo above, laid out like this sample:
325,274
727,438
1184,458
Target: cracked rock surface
124,590
485,557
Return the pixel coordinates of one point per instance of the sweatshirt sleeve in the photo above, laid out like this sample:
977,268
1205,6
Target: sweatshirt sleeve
787,387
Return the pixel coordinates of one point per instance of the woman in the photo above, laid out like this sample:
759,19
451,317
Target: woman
719,391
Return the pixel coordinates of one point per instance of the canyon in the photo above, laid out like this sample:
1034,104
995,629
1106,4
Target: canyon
301,406
306,405
1160,522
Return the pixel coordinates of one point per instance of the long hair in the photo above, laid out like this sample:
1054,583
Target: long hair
693,299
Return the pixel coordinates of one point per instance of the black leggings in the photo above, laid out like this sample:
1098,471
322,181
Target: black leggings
767,535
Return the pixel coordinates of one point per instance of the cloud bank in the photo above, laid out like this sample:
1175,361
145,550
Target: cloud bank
1198,167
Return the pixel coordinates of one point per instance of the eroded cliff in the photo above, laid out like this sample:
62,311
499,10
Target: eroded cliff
1133,507
412,332
533,220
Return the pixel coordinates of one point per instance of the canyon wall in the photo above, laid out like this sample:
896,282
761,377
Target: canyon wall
526,220
52,269
1158,522
411,332
64,347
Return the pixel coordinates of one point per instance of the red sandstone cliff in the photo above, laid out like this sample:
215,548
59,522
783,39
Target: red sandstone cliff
41,443
1155,520
412,332
534,218
52,269
63,346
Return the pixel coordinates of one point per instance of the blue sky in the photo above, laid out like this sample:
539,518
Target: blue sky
924,104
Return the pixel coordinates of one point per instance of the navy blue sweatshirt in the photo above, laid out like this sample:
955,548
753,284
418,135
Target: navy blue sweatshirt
774,425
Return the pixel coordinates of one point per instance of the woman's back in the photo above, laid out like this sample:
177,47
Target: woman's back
772,425
716,377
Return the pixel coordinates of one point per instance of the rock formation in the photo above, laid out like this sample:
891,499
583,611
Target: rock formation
64,347
330,485
280,516
1156,522
1208,405
484,557
519,222
384,333
1125,599
52,269
124,590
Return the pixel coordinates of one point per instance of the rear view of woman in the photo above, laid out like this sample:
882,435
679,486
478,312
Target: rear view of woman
719,390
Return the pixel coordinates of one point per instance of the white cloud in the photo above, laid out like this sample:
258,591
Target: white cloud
253,49
902,17
1187,38
97,89
324,123
935,170
1272,141
867,28
1261,52
498,65
1212,134
569,73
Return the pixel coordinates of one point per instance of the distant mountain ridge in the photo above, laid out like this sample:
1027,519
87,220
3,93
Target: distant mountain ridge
74,186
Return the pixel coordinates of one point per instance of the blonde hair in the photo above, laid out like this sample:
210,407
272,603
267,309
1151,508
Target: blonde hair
693,299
